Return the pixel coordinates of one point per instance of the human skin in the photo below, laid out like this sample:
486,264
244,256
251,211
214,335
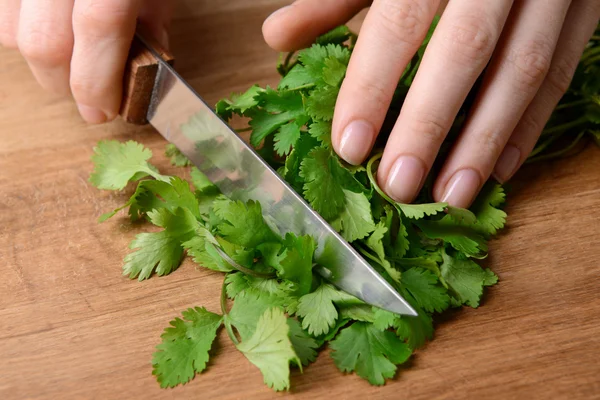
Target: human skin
530,47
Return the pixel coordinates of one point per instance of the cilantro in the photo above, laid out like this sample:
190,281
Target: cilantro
271,350
369,351
465,279
317,309
116,164
355,221
177,158
185,346
304,345
422,286
321,189
282,312
160,252
243,224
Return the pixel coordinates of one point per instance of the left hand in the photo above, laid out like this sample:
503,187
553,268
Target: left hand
531,48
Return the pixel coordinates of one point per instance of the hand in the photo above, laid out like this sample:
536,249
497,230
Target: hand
81,47
532,48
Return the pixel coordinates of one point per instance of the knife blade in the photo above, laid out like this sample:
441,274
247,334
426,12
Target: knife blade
179,114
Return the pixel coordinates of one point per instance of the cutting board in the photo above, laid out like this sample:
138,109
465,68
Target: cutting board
71,326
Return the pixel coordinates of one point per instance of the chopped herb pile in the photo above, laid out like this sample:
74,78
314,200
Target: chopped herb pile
282,313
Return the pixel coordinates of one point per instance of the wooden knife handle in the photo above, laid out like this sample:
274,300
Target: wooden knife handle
139,77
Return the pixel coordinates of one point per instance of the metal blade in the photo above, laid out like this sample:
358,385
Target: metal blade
185,120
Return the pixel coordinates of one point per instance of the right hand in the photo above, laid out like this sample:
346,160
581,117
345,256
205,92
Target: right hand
80,47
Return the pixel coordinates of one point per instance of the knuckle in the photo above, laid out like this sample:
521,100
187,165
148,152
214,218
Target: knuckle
531,125
377,93
104,16
429,128
561,73
39,45
532,62
404,21
470,39
87,90
489,143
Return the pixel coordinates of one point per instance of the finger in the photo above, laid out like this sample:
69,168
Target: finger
391,34
459,49
45,39
9,22
103,34
297,25
580,23
156,15
515,74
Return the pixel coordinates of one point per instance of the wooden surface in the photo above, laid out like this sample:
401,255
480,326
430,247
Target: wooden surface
72,327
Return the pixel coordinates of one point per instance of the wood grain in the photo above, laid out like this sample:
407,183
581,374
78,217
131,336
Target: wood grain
71,327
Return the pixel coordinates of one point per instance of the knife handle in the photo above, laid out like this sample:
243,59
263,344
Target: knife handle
139,77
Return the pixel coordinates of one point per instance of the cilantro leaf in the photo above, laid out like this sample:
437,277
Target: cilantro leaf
317,309
375,243
298,76
243,223
279,109
337,35
372,353
321,130
355,221
304,345
202,247
463,238
418,211
286,138
247,308
153,195
324,193
177,158
271,350
383,319
296,263
465,279
240,103
485,207
160,252
415,330
422,286
185,346
116,164
321,103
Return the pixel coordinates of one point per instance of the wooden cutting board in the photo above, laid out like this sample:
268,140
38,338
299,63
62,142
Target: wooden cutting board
72,327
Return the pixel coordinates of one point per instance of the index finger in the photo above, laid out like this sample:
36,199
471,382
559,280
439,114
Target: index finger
103,33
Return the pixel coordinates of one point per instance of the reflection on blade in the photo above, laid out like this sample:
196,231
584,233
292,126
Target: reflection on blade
183,118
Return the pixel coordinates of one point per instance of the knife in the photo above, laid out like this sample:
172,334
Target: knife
154,93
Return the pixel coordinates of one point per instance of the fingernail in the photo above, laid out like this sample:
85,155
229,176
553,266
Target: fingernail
356,142
279,12
405,178
462,188
91,114
507,163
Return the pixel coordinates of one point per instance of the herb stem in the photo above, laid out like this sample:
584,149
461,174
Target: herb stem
564,127
302,87
225,312
572,104
558,153
248,129
241,268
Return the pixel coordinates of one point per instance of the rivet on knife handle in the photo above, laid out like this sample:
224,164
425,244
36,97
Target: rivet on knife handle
139,77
